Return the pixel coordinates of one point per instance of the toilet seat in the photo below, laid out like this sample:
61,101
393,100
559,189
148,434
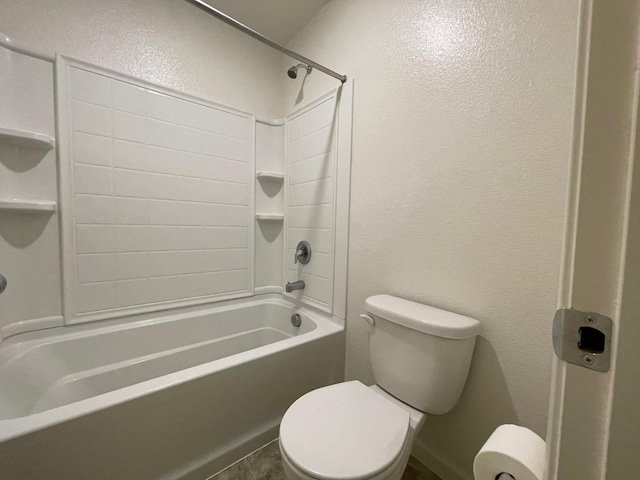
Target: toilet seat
344,432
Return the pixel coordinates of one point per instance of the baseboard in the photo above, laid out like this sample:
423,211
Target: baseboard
444,469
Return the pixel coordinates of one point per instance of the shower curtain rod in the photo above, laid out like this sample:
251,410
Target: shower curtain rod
267,41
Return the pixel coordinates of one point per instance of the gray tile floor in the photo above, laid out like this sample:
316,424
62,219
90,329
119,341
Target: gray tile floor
265,464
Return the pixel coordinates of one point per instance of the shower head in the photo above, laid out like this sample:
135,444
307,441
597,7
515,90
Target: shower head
293,71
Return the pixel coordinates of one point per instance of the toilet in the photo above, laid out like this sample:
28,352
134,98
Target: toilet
420,358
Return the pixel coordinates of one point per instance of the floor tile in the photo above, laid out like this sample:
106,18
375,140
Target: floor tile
266,464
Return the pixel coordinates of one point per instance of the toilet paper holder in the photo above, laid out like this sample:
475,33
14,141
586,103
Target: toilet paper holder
504,476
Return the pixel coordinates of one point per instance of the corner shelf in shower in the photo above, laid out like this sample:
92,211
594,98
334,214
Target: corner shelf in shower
28,206
270,217
272,176
20,138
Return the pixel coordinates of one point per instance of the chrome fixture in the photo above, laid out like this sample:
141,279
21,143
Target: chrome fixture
3,283
299,285
261,38
296,320
303,253
293,71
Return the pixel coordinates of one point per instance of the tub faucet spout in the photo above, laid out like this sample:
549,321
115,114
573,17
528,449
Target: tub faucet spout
299,285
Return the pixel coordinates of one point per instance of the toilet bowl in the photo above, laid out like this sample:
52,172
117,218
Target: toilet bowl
373,427
420,358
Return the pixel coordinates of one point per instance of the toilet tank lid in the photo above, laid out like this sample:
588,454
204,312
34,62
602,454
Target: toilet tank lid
422,318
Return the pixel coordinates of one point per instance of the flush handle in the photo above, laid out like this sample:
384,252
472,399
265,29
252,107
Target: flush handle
368,318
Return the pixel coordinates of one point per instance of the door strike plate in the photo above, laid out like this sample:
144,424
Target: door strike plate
583,338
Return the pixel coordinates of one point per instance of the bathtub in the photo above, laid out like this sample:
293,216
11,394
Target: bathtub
173,396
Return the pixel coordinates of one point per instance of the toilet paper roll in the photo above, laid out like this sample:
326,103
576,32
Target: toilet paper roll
514,450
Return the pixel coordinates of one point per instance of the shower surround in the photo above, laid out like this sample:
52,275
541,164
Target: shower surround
174,216
161,205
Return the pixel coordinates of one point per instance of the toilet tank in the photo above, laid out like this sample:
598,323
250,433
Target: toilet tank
420,354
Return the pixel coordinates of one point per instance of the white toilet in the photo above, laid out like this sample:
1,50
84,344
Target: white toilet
420,358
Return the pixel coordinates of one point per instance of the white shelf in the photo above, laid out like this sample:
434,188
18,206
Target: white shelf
270,217
9,136
279,176
28,206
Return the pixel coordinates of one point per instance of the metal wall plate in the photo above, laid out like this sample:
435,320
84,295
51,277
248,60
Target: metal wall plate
583,338
303,252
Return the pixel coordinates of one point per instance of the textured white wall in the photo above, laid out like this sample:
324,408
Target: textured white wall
167,42
461,142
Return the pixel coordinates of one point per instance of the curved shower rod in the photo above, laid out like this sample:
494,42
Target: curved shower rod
267,41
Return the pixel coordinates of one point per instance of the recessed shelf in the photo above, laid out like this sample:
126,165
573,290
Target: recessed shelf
276,176
270,217
20,138
28,206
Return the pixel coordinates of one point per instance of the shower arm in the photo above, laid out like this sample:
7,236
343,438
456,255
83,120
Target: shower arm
267,41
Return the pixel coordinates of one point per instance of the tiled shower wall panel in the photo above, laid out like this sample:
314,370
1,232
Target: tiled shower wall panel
310,208
161,195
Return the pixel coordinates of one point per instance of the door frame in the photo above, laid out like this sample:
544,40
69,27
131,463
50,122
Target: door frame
601,263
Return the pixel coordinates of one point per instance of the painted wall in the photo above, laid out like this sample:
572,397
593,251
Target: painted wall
167,42
461,146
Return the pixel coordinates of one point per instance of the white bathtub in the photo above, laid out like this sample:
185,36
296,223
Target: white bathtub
177,396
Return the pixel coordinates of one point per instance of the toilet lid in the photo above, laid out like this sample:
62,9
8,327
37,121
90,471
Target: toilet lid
344,431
